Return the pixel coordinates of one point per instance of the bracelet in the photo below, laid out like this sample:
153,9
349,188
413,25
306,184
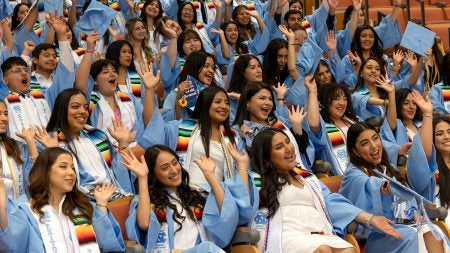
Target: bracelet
427,115
280,99
122,148
89,51
100,205
367,219
242,169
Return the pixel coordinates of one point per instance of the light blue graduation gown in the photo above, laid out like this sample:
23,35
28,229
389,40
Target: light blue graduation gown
23,234
220,225
437,99
21,35
388,32
393,139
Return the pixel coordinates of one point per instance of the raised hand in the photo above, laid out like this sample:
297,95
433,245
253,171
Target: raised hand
103,193
92,39
310,84
357,5
228,2
411,59
207,165
355,60
27,134
59,25
217,31
253,14
385,225
281,90
398,56
330,41
244,130
121,134
290,35
183,87
424,104
28,46
43,137
385,84
139,168
169,32
217,4
146,74
242,160
404,149
296,115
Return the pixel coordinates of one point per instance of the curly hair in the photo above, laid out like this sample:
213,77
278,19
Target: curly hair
158,193
330,92
39,188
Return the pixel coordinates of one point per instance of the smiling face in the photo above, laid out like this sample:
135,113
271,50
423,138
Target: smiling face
231,33
77,113
47,60
106,81
409,108
168,170
187,14
260,106
338,105
206,74
219,109
242,17
370,72
282,153
3,118
295,19
191,44
23,10
361,17
62,175
367,39
442,138
139,31
368,147
152,10
253,72
323,75
17,78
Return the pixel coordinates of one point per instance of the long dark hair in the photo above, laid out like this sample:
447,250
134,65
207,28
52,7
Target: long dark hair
194,64
238,80
201,113
400,97
39,187
377,48
360,83
158,193
113,53
272,74
316,73
180,22
444,171
157,18
241,48
353,133
328,93
445,70
15,20
249,91
272,182
243,29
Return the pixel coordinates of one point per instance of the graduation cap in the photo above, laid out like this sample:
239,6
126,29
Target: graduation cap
52,6
96,17
417,38
5,9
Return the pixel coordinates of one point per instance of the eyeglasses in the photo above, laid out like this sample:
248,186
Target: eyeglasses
18,70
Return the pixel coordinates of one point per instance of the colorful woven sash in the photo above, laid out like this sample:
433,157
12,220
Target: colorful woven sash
95,97
337,140
135,83
185,131
84,231
446,96
114,4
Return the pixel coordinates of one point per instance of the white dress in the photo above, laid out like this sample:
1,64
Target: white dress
301,222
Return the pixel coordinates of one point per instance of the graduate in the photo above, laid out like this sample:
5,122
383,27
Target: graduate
298,213
438,93
108,105
17,157
57,217
372,193
96,160
151,15
32,107
182,218
256,111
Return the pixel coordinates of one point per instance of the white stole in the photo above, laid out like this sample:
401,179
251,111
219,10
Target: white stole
106,115
58,232
11,173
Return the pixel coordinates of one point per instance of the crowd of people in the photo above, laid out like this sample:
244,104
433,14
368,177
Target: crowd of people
235,103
